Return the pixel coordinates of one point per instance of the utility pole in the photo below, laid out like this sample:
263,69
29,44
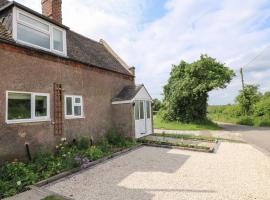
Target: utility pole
243,88
242,78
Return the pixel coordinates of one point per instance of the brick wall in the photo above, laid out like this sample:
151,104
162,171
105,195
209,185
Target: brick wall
24,71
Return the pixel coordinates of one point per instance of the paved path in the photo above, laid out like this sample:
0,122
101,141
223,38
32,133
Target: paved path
236,171
257,136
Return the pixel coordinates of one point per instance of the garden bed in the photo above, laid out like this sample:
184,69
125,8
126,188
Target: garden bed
196,137
179,143
16,177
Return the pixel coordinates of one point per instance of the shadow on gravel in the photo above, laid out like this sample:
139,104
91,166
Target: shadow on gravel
114,179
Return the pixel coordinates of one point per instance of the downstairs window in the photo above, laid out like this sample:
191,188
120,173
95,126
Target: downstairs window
73,106
27,107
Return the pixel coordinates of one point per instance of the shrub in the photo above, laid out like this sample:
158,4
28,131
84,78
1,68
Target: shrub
94,153
262,108
246,121
83,143
15,177
104,145
115,138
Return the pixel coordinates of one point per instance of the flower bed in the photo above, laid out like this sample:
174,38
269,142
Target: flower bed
16,176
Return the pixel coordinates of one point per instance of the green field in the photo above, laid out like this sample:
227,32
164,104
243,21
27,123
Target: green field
232,114
206,125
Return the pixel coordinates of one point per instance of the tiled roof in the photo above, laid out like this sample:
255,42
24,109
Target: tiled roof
3,2
81,49
128,93
92,52
4,34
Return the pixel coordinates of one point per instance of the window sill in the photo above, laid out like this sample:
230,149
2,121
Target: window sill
73,117
27,121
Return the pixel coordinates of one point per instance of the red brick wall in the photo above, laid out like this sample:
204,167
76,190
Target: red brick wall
21,70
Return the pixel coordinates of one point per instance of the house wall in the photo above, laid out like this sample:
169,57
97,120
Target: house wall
22,70
123,119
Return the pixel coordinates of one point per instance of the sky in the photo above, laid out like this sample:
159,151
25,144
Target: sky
152,35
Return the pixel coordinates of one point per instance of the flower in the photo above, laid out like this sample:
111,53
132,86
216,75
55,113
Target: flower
19,182
77,158
63,139
56,146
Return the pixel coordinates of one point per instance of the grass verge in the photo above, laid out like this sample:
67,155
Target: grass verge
195,137
184,145
205,125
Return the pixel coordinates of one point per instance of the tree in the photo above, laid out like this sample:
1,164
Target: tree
248,97
186,93
156,105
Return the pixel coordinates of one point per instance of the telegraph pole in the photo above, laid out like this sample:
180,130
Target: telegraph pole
242,78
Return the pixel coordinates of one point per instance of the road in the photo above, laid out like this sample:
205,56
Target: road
257,136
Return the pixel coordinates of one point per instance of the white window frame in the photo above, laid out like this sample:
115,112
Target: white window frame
16,21
33,105
73,116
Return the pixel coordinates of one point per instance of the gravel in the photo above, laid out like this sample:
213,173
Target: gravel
235,172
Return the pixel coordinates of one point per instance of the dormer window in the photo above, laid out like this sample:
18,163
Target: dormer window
33,31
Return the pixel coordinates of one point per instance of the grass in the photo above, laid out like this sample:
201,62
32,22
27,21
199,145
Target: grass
194,137
227,117
52,198
182,144
205,125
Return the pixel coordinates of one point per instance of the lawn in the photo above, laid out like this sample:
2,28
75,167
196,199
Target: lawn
206,125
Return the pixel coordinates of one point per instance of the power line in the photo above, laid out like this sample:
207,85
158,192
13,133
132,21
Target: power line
257,55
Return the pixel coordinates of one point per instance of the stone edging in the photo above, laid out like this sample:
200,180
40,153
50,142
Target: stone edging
78,169
213,149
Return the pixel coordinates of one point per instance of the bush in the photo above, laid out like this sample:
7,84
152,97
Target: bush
262,108
83,143
115,138
246,121
14,177
94,153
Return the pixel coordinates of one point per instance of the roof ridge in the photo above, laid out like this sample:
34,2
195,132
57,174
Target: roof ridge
115,55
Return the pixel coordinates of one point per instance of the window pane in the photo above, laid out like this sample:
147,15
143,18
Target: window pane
68,105
34,37
77,100
141,110
41,106
137,110
33,22
148,109
77,110
19,106
57,40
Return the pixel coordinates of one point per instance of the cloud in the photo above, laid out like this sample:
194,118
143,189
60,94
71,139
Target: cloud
231,31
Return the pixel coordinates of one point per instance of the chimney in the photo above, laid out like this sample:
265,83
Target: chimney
52,9
132,70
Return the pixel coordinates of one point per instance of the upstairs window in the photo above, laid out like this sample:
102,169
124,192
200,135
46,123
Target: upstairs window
32,31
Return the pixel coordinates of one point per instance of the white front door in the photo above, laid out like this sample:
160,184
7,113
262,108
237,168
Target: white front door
143,120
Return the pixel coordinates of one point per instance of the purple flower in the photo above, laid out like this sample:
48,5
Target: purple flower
78,158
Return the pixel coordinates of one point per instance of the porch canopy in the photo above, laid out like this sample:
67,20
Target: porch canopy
138,101
129,94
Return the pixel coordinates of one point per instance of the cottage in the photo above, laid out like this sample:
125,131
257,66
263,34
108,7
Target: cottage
57,83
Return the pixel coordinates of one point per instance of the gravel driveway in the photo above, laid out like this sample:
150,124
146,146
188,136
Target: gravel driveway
236,171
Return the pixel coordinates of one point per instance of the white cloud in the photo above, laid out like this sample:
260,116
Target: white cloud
231,31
